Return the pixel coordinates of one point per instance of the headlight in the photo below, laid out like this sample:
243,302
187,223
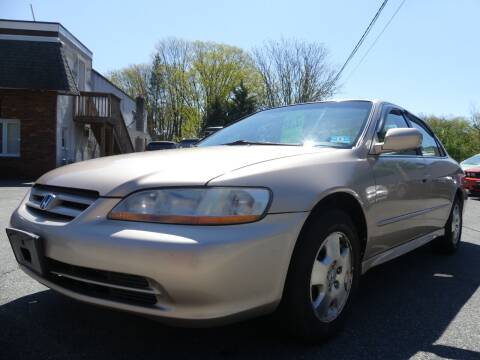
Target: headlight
195,206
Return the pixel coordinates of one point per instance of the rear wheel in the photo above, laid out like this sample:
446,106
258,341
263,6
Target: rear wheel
450,242
322,278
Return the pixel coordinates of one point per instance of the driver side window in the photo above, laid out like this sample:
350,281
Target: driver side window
394,119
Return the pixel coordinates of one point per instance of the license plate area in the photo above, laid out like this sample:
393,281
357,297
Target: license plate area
28,249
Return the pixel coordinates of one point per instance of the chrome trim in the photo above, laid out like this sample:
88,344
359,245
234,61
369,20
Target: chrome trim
63,203
409,215
400,250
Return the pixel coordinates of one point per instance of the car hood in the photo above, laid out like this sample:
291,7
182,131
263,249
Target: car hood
120,175
470,167
473,168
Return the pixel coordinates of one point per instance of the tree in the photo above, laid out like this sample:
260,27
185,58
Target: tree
135,81
475,118
217,113
192,85
218,70
294,71
241,104
175,93
458,135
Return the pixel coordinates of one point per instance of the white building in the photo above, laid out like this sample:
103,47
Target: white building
51,97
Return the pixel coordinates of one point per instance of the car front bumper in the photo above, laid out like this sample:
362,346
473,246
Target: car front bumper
472,185
209,273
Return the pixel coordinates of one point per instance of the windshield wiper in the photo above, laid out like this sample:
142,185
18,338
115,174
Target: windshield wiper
246,142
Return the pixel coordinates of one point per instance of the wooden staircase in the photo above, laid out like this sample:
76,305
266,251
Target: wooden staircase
102,112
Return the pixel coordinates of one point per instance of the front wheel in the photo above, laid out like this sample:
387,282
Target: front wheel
450,242
323,276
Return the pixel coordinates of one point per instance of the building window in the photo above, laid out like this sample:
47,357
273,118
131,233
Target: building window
9,137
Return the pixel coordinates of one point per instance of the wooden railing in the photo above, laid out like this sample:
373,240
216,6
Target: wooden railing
93,105
103,112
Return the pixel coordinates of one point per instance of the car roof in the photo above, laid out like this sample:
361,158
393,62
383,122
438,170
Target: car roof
375,102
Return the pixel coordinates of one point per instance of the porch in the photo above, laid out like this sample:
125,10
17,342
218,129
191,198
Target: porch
103,113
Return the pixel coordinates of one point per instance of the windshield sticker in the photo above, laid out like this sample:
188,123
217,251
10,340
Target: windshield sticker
341,139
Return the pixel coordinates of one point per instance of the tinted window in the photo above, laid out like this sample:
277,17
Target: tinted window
160,146
187,143
429,145
394,120
336,124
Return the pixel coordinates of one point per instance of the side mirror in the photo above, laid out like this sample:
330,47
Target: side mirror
399,139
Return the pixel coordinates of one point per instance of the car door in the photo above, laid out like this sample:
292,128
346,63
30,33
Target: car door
400,192
441,177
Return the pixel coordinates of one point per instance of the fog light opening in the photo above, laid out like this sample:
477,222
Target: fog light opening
26,255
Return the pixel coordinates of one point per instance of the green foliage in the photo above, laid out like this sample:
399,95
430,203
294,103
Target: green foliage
135,81
192,85
241,104
459,136
222,112
217,113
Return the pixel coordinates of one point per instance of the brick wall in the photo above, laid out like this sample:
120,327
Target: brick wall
37,112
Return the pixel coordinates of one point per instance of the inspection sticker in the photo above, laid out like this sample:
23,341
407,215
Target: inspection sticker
341,139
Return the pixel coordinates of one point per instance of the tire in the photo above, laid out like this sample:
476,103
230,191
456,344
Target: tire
317,294
449,243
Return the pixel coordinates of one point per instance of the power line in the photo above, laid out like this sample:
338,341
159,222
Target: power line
365,33
376,39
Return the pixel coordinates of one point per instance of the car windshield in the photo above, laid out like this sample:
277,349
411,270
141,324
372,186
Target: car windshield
334,124
474,160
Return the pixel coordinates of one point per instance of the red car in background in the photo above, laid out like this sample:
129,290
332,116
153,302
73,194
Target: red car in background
472,180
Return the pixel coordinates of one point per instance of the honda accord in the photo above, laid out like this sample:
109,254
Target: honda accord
281,211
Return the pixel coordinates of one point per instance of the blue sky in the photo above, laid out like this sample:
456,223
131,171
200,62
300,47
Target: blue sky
428,60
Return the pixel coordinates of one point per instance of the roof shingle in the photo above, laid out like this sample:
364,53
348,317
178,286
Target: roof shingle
35,65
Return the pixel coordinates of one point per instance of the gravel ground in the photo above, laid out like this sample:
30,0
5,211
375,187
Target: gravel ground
419,306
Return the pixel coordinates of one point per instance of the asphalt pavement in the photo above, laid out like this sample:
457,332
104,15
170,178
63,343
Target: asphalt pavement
420,306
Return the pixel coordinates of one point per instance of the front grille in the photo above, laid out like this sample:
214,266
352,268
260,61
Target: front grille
65,205
110,277
108,285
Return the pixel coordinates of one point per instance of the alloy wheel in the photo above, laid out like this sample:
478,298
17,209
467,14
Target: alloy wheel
456,223
331,278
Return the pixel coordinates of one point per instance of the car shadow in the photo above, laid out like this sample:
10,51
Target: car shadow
403,307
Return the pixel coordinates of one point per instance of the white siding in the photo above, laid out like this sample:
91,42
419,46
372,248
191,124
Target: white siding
127,106
74,141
